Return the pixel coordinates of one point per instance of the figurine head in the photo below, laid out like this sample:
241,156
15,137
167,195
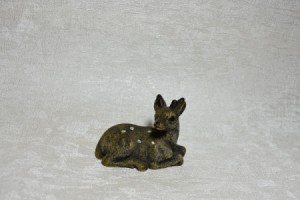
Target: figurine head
166,118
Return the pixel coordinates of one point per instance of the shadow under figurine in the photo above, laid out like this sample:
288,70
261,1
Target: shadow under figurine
132,146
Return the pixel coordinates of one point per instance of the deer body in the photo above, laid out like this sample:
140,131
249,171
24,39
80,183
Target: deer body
129,145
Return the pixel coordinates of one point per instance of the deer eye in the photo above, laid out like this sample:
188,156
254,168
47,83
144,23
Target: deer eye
172,119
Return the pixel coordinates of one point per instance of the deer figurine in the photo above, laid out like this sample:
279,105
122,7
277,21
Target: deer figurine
132,146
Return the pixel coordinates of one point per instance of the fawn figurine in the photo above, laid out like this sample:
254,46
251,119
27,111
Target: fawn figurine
132,146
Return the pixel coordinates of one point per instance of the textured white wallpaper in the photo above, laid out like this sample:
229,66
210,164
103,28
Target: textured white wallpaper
71,69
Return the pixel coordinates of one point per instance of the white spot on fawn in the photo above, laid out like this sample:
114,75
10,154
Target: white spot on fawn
149,131
123,131
152,142
139,141
131,128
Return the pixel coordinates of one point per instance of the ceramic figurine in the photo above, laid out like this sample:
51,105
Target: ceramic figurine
132,146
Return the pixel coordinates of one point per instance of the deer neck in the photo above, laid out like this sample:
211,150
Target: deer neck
172,135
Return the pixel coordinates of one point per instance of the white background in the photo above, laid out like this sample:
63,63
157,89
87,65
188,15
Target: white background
71,69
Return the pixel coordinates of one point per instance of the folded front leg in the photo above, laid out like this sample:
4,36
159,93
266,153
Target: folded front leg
179,149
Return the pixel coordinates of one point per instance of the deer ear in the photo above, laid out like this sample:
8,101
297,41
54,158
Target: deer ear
173,104
180,106
159,102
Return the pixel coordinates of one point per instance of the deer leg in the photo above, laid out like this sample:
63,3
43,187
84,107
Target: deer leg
139,165
124,162
180,149
176,160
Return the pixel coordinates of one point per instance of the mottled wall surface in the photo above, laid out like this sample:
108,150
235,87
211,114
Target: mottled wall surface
70,69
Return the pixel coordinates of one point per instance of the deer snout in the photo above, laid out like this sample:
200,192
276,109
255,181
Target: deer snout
158,125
